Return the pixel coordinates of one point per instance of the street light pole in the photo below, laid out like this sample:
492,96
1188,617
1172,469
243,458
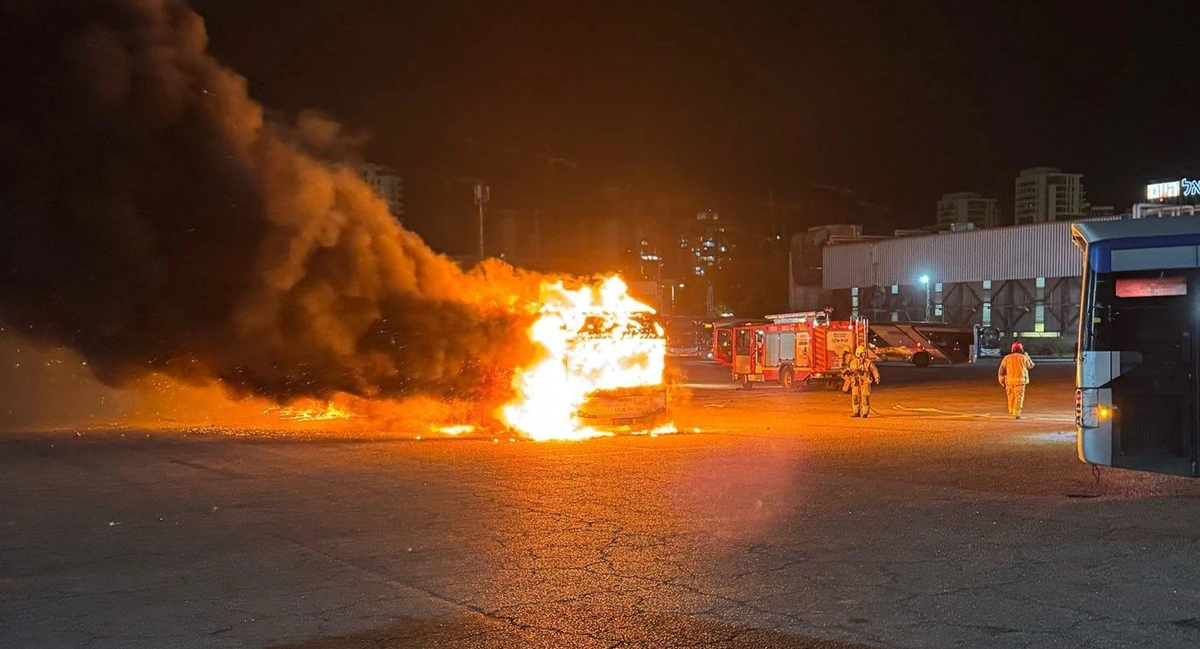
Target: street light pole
925,281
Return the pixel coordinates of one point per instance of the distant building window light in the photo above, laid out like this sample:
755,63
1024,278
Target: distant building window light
987,284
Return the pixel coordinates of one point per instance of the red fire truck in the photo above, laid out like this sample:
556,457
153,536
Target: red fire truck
804,347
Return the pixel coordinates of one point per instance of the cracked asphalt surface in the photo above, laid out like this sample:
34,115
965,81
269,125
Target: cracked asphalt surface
782,524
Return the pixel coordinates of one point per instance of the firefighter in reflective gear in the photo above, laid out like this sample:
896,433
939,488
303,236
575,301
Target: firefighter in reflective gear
862,374
1014,376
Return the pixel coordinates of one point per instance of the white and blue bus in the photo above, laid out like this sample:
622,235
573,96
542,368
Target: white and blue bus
1137,403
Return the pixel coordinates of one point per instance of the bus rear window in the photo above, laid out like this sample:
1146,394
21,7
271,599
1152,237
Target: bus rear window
1151,286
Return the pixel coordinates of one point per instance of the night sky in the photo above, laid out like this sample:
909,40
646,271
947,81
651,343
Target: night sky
901,101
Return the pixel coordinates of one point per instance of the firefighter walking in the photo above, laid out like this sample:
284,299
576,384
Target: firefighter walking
1014,376
862,373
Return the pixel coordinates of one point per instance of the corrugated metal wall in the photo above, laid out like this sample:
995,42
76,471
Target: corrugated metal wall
809,298
1017,252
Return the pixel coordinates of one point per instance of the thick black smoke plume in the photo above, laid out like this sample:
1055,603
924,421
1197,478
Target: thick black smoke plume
153,220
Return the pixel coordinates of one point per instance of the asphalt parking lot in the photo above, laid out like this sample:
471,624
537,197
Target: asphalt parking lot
938,522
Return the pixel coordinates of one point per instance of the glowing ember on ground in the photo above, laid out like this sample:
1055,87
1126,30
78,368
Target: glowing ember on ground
661,430
593,339
461,429
326,413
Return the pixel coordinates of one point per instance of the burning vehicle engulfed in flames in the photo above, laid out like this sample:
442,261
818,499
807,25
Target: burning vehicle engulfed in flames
641,406
602,365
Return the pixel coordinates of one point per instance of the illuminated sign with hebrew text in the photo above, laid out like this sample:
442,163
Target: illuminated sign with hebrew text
1172,189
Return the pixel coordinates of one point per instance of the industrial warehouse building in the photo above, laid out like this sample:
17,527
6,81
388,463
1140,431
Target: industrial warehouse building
1024,280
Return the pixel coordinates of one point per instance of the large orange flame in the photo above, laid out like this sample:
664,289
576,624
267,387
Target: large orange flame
591,340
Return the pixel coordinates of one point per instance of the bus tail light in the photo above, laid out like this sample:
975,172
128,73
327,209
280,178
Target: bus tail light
1079,408
1091,410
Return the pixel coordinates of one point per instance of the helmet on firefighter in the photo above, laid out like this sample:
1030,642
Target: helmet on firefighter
861,350
1017,347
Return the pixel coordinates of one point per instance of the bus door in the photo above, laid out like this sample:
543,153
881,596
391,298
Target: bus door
1150,320
706,341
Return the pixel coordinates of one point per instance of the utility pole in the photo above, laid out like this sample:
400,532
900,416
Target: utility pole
925,280
482,195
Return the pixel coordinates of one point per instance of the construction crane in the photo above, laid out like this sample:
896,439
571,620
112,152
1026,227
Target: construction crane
550,159
844,193
772,204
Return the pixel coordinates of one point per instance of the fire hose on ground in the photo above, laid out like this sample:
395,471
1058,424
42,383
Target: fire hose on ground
970,415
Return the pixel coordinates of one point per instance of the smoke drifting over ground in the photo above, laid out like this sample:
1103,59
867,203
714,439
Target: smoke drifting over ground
154,221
